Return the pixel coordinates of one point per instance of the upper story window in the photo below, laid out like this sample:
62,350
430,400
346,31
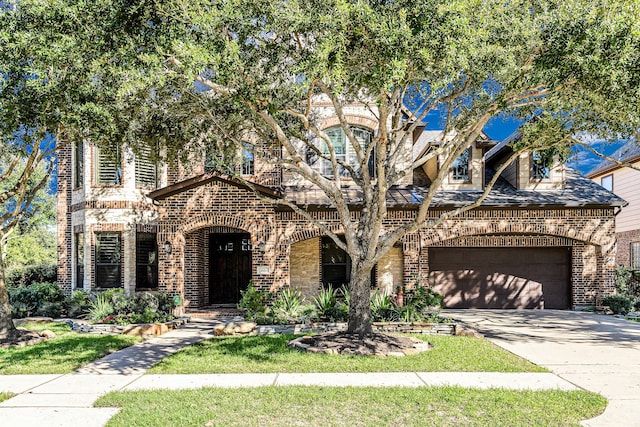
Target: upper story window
607,182
248,165
146,169
108,168
460,171
345,153
540,166
78,164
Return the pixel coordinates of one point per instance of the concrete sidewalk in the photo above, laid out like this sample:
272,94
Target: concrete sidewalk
66,400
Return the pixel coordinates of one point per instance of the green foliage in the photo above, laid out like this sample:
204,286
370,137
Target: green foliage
114,306
424,298
619,304
101,308
253,302
382,307
37,299
287,307
34,248
78,305
25,276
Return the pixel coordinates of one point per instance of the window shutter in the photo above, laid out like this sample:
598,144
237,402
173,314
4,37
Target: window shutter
146,170
108,169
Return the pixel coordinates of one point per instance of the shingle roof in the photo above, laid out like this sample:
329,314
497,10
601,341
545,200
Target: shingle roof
578,192
628,152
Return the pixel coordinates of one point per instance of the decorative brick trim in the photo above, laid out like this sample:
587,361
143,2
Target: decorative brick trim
352,119
505,241
112,204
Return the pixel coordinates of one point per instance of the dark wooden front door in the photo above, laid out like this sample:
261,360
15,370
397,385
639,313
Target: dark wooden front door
229,266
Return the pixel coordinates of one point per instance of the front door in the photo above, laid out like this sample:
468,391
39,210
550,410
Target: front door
229,266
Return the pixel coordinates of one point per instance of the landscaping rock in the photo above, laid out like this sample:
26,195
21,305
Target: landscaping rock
234,328
48,334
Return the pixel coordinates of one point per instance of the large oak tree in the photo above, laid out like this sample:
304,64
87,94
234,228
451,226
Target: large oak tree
183,74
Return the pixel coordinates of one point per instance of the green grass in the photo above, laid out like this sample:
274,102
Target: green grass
4,396
64,353
269,353
366,406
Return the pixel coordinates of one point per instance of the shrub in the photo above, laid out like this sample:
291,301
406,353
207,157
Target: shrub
37,299
619,304
26,276
253,302
78,304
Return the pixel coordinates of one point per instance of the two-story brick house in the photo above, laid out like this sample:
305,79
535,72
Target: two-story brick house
544,238
625,182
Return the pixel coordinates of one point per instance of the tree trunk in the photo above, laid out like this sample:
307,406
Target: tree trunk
7,328
360,306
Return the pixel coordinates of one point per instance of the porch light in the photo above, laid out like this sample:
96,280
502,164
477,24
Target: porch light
262,247
167,247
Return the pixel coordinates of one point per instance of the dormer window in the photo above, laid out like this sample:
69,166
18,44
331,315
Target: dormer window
460,170
540,169
344,152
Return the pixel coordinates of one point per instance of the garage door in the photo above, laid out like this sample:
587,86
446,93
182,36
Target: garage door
502,277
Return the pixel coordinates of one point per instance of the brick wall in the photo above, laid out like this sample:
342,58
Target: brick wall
63,213
623,253
288,239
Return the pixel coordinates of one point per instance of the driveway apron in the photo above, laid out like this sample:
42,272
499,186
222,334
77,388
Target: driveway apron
595,352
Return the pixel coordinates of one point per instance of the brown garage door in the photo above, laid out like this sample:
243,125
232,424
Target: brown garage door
502,277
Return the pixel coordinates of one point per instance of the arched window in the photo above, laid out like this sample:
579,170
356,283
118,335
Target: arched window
344,151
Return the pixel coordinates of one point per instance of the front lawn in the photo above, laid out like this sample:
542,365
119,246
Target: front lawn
269,353
352,406
64,353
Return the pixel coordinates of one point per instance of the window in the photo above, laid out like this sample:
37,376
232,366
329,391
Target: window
146,169
79,259
336,265
635,255
539,166
607,182
344,151
146,261
108,168
108,265
247,162
460,168
78,165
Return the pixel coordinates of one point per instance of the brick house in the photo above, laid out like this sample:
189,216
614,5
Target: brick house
624,182
544,238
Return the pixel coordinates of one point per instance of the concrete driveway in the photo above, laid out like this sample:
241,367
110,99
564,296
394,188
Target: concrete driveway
595,352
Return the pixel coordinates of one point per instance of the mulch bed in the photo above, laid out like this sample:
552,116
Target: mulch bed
375,344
